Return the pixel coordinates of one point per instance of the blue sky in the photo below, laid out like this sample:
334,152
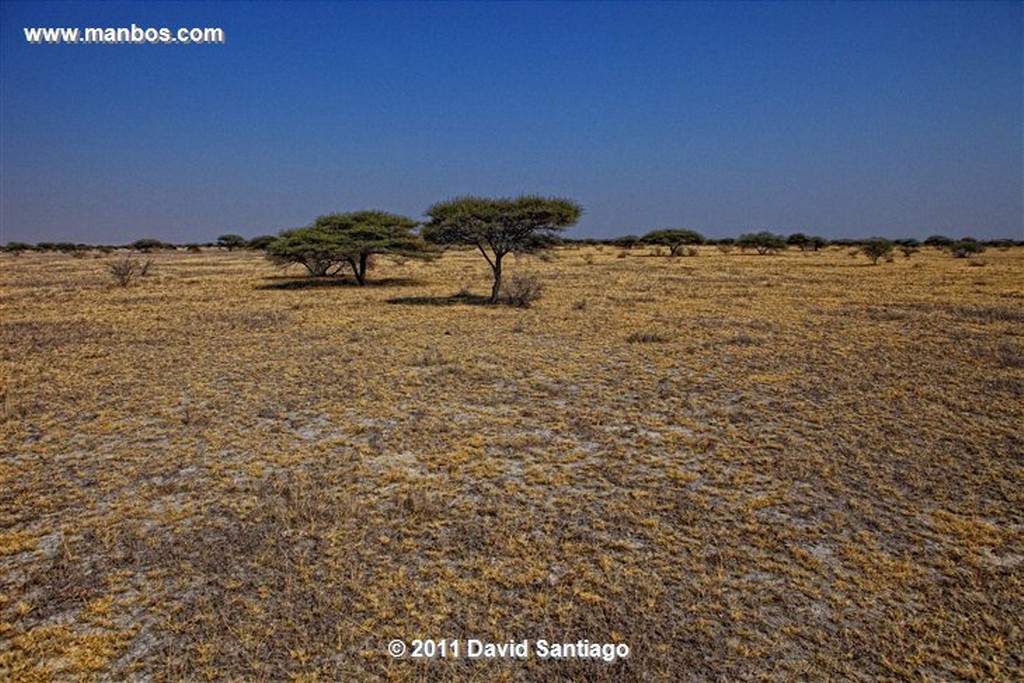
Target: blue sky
839,119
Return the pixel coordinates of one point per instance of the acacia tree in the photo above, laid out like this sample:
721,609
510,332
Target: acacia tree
673,239
764,242
340,239
499,226
799,240
317,250
816,243
231,242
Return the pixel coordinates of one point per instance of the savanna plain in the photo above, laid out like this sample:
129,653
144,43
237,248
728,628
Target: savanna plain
797,466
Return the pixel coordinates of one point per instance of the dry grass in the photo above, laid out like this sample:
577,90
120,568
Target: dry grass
814,473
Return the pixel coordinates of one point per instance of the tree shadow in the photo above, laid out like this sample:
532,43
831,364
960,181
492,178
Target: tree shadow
287,283
451,300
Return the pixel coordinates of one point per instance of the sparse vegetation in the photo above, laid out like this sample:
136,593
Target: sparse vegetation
212,478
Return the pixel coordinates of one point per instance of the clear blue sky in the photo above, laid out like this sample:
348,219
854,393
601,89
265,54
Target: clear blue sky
839,119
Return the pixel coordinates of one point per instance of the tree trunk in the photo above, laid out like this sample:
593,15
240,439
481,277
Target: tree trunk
496,289
361,271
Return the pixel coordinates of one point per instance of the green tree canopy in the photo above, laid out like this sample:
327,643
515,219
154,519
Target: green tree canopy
260,243
938,241
673,239
499,226
876,247
340,239
231,242
799,240
968,246
148,244
764,242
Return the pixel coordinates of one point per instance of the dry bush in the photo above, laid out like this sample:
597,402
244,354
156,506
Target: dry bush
648,337
522,290
124,270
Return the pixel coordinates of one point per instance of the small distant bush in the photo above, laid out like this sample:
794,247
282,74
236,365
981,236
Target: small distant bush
876,247
938,241
193,248
647,337
966,247
148,244
17,247
908,249
724,248
124,270
522,290
626,241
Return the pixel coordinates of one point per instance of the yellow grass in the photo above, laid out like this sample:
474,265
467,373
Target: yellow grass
784,467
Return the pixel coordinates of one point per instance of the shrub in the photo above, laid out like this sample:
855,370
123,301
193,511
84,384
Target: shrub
124,270
908,250
626,241
522,290
647,338
966,247
876,247
17,247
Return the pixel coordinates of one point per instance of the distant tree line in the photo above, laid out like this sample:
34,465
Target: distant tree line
495,227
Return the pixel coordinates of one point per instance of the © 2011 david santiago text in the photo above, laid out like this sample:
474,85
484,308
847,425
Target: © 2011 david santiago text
474,648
